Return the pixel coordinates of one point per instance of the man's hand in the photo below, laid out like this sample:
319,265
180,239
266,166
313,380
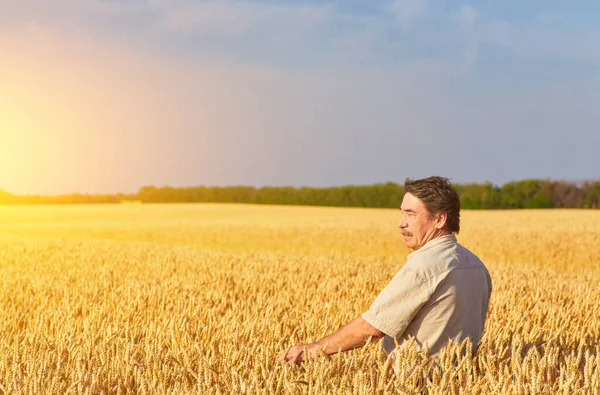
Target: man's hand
352,335
297,354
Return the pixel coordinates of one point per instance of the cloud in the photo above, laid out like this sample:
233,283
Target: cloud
467,16
408,12
470,54
537,41
234,18
307,34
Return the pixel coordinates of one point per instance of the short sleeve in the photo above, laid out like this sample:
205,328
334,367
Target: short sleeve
397,304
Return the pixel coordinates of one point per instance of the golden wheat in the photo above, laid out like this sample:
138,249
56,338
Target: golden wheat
204,298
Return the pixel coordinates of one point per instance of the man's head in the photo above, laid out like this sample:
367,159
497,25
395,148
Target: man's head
430,208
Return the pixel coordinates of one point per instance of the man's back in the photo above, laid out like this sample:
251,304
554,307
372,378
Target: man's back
442,293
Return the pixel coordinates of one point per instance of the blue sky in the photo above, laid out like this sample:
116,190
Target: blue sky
107,96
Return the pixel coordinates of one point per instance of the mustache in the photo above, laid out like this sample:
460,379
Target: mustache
406,234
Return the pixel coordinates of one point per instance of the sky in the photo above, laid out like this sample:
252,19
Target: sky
106,96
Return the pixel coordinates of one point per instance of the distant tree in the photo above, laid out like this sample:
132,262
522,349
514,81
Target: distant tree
530,193
5,197
566,194
590,195
526,194
479,196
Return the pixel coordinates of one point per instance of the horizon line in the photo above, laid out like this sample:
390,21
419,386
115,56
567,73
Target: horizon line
578,182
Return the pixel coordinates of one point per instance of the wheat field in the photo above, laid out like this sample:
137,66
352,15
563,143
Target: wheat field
204,298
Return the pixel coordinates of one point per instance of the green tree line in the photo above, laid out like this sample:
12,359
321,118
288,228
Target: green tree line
530,193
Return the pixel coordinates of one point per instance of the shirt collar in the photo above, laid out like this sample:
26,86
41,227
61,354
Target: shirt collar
438,241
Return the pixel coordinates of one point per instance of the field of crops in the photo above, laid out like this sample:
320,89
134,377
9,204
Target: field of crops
204,299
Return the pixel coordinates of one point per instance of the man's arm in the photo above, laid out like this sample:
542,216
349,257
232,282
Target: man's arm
352,335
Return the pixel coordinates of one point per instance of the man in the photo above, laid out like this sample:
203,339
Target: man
441,294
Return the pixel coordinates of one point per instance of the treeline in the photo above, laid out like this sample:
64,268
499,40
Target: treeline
533,193
75,198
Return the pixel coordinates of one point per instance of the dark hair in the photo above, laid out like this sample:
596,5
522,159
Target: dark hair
439,196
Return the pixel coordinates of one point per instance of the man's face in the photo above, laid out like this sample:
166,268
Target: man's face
418,226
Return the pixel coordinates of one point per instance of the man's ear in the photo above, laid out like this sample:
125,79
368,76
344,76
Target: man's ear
440,220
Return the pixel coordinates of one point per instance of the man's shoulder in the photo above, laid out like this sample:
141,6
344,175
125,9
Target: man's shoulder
435,263
432,262
468,259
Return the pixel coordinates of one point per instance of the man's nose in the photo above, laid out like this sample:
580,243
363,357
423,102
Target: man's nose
402,223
